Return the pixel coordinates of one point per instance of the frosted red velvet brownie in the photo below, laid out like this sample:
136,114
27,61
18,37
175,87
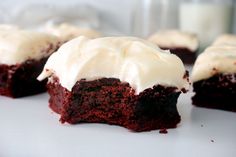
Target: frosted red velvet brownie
115,80
214,78
183,44
22,57
66,32
225,40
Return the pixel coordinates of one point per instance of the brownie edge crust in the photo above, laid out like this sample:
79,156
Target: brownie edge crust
20,79
218,92
108,100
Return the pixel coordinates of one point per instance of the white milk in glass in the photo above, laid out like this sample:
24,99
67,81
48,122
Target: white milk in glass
153,15
208,20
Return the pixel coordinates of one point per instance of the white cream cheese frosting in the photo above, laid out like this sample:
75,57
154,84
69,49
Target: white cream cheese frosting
175,38
17,46
136,61
67,31
214,60
225,40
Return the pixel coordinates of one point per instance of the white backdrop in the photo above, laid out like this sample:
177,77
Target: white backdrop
116,13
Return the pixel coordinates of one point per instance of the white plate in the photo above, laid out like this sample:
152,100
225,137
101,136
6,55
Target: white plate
28,128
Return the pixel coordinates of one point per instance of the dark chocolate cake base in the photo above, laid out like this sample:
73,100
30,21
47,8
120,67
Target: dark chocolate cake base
218,92
110,101
186,55
20,80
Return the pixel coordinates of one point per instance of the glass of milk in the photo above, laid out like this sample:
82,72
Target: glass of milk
207,18
150,16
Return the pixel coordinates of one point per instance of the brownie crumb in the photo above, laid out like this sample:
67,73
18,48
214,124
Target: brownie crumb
214,69
186,75
163,131
184,90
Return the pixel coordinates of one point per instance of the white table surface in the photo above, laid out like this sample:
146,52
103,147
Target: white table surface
28,128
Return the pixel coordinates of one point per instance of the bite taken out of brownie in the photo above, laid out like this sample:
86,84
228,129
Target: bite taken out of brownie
110,101
121,81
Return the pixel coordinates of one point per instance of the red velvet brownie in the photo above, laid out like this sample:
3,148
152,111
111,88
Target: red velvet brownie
66,32
22,57
115,80
183,44
214,78
225,40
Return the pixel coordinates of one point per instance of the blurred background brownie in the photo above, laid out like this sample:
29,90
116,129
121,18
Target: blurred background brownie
183,44
22,57
214,78
66,31
225,40
115,80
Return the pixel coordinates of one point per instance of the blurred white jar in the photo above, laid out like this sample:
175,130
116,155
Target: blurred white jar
207,18
150,16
